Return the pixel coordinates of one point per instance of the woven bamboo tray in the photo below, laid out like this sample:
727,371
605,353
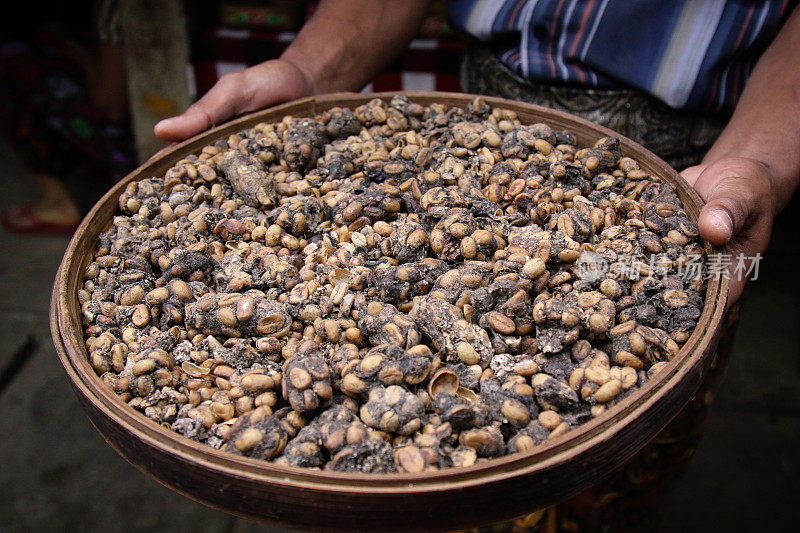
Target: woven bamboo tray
455,498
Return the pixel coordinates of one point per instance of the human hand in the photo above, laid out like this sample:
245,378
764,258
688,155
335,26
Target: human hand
739,210
251,89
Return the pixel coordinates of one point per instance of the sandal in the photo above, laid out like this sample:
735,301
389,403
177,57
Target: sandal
22,219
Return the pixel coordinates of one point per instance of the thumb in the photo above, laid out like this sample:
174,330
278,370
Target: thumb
224,100
692,173
735,191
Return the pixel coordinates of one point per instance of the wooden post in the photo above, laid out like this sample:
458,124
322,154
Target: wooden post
156,54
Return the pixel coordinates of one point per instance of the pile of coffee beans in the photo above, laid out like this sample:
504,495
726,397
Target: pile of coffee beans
392,288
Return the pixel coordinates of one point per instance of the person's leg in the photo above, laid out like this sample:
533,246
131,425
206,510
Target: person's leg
24,72
53,211
54,205
67,140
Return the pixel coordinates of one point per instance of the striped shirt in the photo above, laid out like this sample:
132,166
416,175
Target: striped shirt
693,54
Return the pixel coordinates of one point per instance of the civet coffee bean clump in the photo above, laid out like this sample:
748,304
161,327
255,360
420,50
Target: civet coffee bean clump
393,288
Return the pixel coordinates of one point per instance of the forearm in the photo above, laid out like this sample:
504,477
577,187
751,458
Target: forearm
347,42
766,123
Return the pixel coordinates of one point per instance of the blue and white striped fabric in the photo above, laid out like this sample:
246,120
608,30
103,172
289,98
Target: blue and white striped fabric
694,54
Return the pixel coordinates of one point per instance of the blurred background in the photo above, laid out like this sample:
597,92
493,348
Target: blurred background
81,86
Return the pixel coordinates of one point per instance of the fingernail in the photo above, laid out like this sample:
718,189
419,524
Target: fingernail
723,220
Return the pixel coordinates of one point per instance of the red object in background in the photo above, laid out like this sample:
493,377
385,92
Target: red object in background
278,15
427,65
430,64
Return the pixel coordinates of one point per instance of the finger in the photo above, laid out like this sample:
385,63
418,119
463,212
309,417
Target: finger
738,212
228,97
734,191
692,173
737,280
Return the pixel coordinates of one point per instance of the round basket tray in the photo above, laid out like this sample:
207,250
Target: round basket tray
311,499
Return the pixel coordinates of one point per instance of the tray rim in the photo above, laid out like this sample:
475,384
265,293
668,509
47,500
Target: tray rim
543,457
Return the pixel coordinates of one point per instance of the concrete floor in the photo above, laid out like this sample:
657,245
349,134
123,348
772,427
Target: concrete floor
58,474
